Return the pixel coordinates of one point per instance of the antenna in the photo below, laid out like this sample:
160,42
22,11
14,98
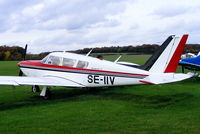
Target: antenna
89,52
117,59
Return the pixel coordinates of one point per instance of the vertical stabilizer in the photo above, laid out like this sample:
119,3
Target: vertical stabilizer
166,59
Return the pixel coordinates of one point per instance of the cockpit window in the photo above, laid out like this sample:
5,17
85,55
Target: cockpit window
82,64
54,60
68,62
44,59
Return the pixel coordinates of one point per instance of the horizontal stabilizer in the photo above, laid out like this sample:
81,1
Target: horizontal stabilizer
166,78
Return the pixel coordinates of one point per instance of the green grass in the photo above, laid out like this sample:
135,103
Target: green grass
139,59
143,109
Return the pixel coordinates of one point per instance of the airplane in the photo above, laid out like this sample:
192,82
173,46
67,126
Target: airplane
188,55
74,70
190,63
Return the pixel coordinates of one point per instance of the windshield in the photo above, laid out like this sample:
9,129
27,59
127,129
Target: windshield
53,60
44,59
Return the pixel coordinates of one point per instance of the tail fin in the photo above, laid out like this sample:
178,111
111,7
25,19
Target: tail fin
166,58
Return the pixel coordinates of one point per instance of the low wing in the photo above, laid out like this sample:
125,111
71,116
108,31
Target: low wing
166,78
190,66
41,81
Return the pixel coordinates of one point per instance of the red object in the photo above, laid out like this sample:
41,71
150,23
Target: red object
172,66
36,63
147,82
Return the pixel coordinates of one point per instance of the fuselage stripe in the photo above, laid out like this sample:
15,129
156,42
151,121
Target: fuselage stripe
84,72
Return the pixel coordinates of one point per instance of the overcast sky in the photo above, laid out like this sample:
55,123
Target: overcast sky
48,25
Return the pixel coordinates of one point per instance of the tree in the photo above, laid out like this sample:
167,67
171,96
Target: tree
7,55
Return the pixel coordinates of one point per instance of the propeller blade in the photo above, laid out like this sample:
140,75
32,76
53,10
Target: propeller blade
24,58
24,54
20,72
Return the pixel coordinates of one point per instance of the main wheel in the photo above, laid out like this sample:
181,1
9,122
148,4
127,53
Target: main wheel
47,95
35,89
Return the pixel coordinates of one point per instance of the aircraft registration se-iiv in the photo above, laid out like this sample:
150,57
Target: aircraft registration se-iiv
75,70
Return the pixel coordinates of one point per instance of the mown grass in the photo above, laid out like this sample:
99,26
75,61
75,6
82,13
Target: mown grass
139,59
143,109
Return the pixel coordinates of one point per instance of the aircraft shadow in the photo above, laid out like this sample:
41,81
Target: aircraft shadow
63,95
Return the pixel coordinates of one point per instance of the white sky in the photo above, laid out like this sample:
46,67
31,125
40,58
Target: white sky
48,25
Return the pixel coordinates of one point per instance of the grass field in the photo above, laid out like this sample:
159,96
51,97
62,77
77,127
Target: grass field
143,109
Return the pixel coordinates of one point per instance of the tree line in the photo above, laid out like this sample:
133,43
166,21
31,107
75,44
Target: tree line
16,52
11,53
143,49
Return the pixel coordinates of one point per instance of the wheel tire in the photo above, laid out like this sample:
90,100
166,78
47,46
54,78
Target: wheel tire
35,89
48,95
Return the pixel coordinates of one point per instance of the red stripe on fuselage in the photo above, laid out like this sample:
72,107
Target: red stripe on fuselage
37,63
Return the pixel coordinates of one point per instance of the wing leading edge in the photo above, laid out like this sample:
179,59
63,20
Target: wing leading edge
41,81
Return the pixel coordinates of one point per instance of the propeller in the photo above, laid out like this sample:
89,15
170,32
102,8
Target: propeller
24,58
24,54
20,72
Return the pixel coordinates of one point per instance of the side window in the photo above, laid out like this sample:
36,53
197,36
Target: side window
68,62
82,64
54,60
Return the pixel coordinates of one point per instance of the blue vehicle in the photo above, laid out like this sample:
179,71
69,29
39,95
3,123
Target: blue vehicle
190,63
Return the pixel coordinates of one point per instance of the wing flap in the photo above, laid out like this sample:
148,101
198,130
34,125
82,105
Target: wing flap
42,81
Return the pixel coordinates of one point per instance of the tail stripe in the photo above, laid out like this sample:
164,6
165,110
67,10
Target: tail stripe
172,66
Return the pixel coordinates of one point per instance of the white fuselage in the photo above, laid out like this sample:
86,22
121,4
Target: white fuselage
96,73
